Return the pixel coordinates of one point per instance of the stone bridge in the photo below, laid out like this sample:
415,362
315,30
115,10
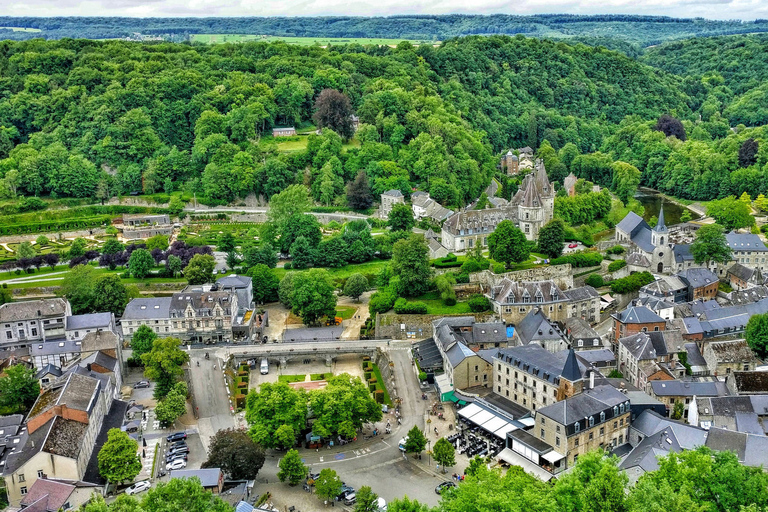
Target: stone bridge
284,352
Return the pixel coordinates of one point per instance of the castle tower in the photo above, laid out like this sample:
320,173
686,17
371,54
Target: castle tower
513,163
660,234
571,380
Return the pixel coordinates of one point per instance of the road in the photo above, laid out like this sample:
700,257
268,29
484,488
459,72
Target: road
210,395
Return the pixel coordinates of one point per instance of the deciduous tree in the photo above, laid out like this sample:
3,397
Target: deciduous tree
757,334
118,458
328,484
731,213
110,294
236,454
173,405
356,285
552,238
313,296
18,387
78,287
366,500
163,364
710,246
359,192
508,244
416,441
410,263
142,341
400,217
265,284
271,407
140,263
444,453
292,469
200,269
334,110
342,407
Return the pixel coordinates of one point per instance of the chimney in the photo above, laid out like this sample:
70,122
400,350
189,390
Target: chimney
592,379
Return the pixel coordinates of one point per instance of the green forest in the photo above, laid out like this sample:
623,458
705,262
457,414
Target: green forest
95,119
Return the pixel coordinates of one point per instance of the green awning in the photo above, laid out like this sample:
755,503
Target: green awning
462,403
450,397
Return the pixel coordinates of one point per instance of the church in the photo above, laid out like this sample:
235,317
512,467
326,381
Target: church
648,247
530,209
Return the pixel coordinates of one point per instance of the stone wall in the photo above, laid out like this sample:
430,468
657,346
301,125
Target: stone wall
397,327
561,274
30,237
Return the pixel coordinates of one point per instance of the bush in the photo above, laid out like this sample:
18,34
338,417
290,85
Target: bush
450,301
479,303
461,277
288,265
632,282
616,265
499,268
422,375
579,259
594,280
381,301
616,249
449,261
403,307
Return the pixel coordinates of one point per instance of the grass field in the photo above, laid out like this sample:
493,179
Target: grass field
300,144
435,305
301,41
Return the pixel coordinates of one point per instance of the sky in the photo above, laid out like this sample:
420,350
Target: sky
712,9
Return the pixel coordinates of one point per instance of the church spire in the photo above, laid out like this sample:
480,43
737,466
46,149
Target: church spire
660,226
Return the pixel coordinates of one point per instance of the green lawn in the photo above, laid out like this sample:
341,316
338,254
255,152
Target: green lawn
435,305
291,378
299,143
345,312
372,267
380,384
301,41
320,376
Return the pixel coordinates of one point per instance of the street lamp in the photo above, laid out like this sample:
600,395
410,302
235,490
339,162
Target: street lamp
428,452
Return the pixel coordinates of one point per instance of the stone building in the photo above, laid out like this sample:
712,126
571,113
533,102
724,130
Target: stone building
742,277
596,418
27,322
530,209
701,283
646,356
651,243
424,206
388,200
144,225
513,300
532,377
635,319
724,357
203,316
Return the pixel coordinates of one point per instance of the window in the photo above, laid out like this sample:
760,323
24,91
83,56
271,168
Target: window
21,478
8,334
615,424
498,389
557,441
34,332
23,491
542,433
475,367
40,473
591,421
576,427
621,408
602,417
602,431
591,436
576,442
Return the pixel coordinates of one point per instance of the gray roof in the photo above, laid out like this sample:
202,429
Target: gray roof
537,361
645,455
457,352
100,340
578,328
664,286
508,291
571,370
689,437
632,224
745,242
590,402
682,253
202,302
660,226
637,315
146,308
234,281
742,272
654,303
599,355
686,388
732,317
537,327
393,193
646,345
208,477
51,369
698,277
25,310
582,293
53,347
721,440
694,355
88,321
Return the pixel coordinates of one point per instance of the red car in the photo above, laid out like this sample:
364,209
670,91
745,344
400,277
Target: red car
573,246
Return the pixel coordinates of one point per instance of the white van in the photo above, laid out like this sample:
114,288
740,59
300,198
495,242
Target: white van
264,366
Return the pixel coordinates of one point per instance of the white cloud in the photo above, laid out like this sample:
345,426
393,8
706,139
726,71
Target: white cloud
713,9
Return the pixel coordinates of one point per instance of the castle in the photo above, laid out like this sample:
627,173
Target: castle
530,209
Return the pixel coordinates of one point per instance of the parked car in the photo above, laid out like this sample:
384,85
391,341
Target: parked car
176,436
345,490
182,456
573,246
141,384
443,486
138,487
177,444
350,499
176,464
179,450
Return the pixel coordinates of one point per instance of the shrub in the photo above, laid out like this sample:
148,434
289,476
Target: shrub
594,280
403,307
461,277
632,282
450,301
422,375
381,301
616,265
499,268
579,259
616,249
479,303
449,261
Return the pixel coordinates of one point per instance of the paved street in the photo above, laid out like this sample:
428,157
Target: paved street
210,395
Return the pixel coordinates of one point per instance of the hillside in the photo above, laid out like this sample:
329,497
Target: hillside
639,30
87,118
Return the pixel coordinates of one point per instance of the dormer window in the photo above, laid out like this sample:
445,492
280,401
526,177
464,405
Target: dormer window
591,421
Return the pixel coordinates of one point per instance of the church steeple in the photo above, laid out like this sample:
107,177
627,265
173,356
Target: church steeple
661,227
659,234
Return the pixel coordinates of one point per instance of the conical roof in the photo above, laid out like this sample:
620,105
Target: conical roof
571,371
660,226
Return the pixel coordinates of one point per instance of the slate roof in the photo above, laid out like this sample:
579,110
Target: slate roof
46,495
637,315
645,345
645,454
660,226
234,281
536,361
664,286
590,402
638,259
53,347
537,327
25,310
146,308
49,369
208,477
745,242
393,193
742,272
654,304
698,277
682,253
581,293
571,370
649,423
515,292
721,440
694,355
732,317
600,355
578,328
480,221
632,222
749,296
428,354
687,388
202,302
88,321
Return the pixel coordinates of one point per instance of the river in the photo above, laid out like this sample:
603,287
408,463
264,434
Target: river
652,201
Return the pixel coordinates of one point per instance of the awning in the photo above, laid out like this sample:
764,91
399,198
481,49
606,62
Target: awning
515,459
481,417
462,403
502,432
450,397
469,411
493,424
552,456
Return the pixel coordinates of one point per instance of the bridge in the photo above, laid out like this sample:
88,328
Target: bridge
284,352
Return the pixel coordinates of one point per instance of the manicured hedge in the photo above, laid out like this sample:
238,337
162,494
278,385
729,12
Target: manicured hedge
403,307
616,265
594,280
54,226
579,259
632,282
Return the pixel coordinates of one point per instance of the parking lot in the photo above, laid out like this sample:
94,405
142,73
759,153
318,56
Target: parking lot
195,457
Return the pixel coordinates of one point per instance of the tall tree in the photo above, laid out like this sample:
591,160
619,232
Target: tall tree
359,192
157,242
265,284
292,468
416,441
313,296
711,246
181,494
300,225
508,244
334,110
264,254
110,294
366,500
274,406
626,178
328,484
444,453
25,250
18,387
748,153
142,341
282,206
200,269
670,126
118,458
78,287
163,364
757,334
342,407
356,285
731,213
552,238
400,217
140,263
173,405
236,454
410,263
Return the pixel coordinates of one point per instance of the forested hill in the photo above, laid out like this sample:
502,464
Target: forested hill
641,30
734,67
90,118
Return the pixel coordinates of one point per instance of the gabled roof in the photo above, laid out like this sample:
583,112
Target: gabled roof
733,351
742,272
682,253
536,327
745,242
25,310
590,402
581,293
47,495
698,277
632,223
49,369
536,361
393,193
649,423
645,345
234,281
202,302
687,388
145,308
88,321
637,315
645,455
